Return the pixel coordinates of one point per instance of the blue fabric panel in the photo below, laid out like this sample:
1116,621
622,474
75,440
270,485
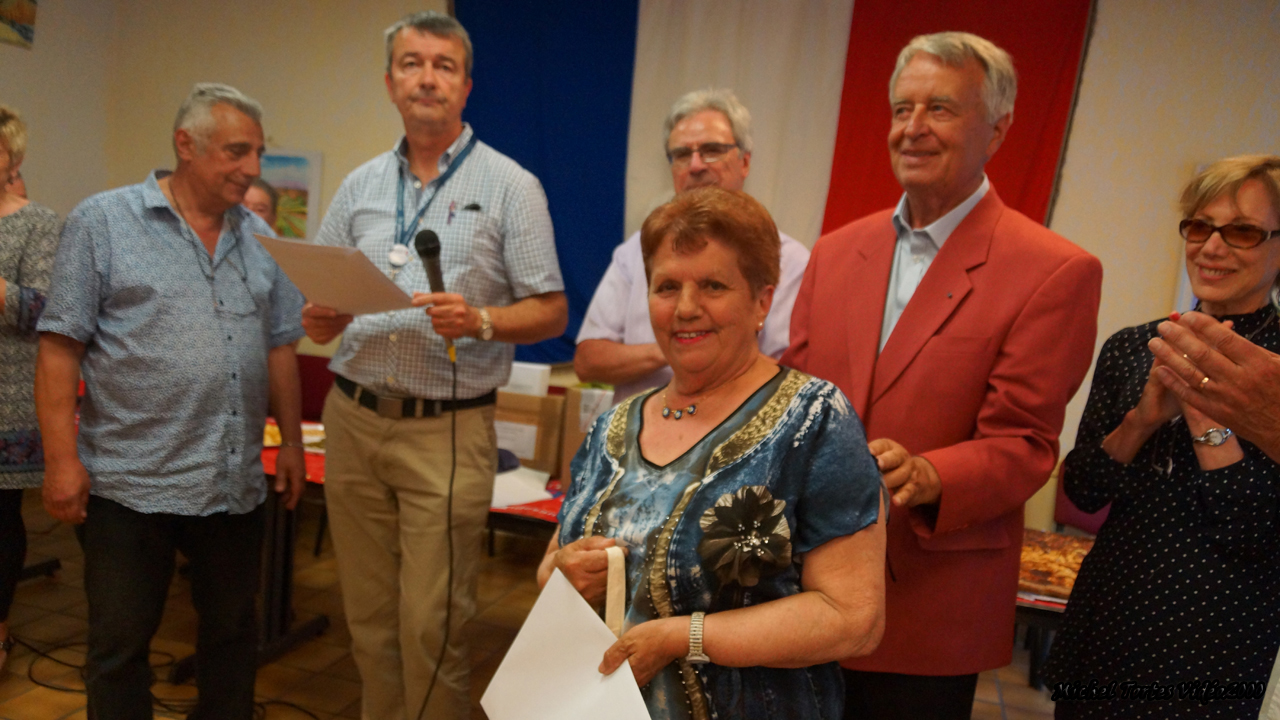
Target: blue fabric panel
553,91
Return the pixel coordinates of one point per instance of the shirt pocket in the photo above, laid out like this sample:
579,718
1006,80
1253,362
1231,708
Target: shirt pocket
241,294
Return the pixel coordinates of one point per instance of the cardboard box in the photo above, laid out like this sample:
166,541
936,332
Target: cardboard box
581,408
530,427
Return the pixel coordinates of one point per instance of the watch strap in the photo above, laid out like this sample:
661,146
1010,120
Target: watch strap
696,655
1213,437
486,325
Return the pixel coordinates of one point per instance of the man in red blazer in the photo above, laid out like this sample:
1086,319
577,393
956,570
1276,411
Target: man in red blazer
959,329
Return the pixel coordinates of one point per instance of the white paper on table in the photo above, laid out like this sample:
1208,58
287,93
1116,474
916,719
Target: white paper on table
551,671
519,438
338,277
528,379
519,486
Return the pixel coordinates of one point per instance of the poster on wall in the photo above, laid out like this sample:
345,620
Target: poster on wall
295,175
18,22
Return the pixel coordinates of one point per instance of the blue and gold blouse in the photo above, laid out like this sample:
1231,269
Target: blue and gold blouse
727,525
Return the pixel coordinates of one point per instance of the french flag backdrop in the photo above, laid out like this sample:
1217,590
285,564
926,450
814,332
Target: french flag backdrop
576,93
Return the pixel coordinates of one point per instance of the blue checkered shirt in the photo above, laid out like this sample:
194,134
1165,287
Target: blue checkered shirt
497,247
175,364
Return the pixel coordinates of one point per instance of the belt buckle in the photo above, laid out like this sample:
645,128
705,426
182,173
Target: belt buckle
392,408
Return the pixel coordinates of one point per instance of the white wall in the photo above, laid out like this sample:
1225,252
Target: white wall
1168,85
315,65
59,87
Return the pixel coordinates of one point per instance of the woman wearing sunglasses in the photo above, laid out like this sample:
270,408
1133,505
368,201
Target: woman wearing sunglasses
1181,592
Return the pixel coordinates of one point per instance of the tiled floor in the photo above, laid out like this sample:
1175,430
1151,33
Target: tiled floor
319,675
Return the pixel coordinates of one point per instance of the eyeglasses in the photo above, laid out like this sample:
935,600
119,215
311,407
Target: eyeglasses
709,152
1235,235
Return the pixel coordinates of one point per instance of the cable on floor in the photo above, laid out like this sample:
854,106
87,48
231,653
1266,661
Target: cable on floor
174,705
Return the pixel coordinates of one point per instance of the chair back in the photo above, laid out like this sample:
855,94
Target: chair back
1065,512
316,380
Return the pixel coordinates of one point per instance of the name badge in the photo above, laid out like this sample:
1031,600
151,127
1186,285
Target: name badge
398,256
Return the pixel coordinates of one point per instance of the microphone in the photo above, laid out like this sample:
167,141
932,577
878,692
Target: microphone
427,243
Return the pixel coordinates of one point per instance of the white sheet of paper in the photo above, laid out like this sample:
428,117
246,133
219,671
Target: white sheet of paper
338,277
519,438
519,486
550,672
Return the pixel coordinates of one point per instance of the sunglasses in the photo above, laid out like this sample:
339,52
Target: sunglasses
1236,235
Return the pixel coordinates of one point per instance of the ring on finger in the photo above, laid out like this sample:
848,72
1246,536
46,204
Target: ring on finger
1204,381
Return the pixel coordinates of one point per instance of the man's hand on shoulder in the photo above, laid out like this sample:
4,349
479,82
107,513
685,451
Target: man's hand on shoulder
323,324
66,491
912,479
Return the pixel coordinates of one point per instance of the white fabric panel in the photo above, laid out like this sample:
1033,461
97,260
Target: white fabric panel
784,59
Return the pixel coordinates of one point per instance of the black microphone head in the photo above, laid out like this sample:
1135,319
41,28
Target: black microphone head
427,243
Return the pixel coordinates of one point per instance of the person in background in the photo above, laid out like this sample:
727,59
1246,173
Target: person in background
406,531
959,328
182,327
1183,582
17,185
743,492
262,199
28,241
707,139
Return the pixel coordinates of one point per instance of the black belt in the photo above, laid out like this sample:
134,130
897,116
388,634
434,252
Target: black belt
409,407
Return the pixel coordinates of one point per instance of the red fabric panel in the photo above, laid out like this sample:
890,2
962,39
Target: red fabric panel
1046,40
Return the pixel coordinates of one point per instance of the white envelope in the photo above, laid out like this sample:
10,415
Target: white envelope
550,672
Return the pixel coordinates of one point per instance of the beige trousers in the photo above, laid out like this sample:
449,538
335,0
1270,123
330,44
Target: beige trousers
387,489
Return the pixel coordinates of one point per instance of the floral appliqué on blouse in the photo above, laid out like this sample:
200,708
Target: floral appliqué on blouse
746,536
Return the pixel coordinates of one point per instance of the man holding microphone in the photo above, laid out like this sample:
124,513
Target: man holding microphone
411,448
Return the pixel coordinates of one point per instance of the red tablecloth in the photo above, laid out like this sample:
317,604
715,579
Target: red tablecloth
315,464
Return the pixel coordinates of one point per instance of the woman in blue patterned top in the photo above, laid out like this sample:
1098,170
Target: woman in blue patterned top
28,241
743,493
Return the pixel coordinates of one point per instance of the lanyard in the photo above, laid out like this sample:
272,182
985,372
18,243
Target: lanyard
405,234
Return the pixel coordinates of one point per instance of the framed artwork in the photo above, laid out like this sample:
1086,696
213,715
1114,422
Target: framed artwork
18,22
295,175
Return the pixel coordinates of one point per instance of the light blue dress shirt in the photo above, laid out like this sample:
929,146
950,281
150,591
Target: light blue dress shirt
915,252
496,247
176,343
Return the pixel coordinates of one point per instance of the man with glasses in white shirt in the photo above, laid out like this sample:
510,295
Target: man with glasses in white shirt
708,142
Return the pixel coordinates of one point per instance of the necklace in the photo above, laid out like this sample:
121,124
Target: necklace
669,414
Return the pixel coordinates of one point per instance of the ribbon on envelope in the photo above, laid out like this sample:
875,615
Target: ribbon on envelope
615,606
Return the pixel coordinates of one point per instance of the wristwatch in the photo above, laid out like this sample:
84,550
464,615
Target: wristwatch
696,656
1213,437
486,325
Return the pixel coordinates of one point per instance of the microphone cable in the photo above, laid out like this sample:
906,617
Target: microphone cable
453,471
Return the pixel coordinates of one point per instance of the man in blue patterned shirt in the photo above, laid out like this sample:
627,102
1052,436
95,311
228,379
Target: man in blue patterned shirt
183,329
387,421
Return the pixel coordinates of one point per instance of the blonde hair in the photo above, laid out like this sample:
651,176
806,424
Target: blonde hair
1224,178
13,134
1000,84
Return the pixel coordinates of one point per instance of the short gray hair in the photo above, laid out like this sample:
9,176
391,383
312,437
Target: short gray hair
436,23
196,114
720,100
999,87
